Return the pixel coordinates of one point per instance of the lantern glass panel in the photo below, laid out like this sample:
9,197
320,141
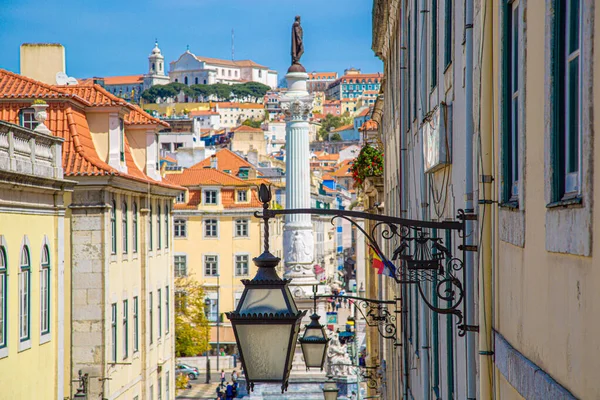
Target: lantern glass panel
265,349
314,333
313,354
264,301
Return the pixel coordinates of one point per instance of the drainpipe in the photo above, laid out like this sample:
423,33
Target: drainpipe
424,102
486,211
403,200
470,227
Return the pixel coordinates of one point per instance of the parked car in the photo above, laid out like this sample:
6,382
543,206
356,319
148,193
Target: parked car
191,372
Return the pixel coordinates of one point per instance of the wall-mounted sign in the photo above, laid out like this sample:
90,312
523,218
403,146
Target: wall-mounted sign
437,141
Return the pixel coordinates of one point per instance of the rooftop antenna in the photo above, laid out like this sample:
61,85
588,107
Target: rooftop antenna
232,45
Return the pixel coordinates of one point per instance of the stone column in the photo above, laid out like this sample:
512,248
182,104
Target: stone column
298,240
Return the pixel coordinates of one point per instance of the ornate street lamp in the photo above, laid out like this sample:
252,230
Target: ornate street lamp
266,322
330,389
315,341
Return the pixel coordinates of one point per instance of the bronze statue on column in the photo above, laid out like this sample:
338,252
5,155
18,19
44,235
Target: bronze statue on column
297,46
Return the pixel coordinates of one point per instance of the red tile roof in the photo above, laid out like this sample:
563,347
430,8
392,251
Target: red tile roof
344,170
200,113
344,128
369,125
96,95
205,176
245,128
227,104
124,80
230,63
322,75
226,160
364,112
68,121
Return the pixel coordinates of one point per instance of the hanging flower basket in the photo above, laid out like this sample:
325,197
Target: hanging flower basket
369,163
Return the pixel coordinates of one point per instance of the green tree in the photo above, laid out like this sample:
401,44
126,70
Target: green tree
202,92
257,90
192,331
336,137
253,123
330,121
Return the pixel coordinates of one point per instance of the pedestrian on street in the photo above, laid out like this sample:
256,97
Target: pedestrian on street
222,377
234,376
229,392
219,392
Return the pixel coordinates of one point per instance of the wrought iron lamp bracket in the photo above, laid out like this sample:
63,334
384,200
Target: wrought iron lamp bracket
421,257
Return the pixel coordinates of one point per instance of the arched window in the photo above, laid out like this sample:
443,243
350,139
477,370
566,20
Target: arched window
160,66
176,80
3,297
153,67
185,80
113,228
167,227
158,227
150,229
196,80
24,294
45,291
135,228
124,226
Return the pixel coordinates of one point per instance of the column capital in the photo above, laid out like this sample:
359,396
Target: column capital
297,108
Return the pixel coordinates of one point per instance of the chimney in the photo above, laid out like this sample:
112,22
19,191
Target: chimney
214,162
42,61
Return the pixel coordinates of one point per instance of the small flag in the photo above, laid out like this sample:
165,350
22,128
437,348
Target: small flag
377,261
382,264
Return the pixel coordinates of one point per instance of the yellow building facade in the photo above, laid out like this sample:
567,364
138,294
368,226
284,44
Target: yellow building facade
33,247
216,235
117,321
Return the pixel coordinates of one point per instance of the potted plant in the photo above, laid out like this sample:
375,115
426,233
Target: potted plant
39,107
369,163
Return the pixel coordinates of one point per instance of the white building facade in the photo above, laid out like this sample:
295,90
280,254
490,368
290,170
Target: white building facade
191,69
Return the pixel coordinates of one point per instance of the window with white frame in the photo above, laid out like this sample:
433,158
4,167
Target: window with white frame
45,291
180,266
159,309
210,197
24,294
3,298
167,233
241,228
136,325
113,333
124,227
158,229
134,232
211,309
180,227
242,195
211,265
27,118
151,317
125,329
180,198
167,309
113,228
241,264
211,228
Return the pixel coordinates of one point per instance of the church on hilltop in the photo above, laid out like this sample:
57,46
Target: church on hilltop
188,69
191,69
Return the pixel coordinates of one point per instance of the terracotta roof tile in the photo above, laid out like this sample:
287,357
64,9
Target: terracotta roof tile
68,121
245,128
226,160
227,104
199,113
369,125
344,170
344,128
205,176
124,80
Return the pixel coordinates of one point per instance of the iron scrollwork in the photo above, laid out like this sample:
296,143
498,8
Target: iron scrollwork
374,312
418,257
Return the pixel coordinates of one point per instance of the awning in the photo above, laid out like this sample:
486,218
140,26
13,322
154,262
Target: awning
226,335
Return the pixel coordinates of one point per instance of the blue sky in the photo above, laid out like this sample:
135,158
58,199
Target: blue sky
115,37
